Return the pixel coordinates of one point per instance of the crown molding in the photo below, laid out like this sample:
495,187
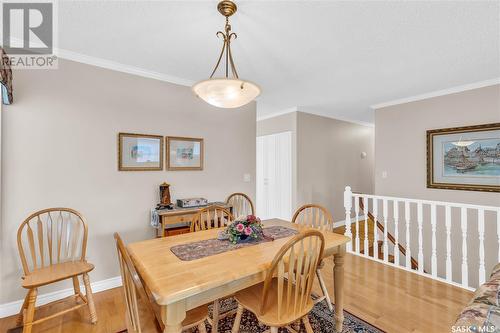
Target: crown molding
438,93
300,109
116,66
278,113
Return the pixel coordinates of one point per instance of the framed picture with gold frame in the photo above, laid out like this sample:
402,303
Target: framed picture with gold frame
140,152
464,158
184,153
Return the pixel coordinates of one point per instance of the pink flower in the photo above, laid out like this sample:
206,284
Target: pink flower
248,231
240,227
251,218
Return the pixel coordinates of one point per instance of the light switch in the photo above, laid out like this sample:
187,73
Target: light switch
384,174
247,178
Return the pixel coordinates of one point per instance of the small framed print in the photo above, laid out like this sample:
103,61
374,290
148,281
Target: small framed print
140,152
184,153
464,158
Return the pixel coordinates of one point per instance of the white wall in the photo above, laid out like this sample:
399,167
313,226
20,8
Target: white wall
59,148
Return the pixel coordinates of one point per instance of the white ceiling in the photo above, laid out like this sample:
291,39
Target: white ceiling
325,57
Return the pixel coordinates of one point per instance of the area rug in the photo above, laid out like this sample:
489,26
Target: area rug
320,317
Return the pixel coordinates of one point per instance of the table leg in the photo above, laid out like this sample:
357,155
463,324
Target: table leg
172,316
338,284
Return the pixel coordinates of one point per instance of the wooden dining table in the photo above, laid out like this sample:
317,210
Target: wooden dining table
179,286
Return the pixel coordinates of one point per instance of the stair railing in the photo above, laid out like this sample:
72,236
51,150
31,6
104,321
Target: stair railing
423,222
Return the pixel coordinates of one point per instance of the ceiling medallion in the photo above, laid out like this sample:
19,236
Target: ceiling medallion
227,91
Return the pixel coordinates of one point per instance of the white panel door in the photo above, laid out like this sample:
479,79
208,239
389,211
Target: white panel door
274,176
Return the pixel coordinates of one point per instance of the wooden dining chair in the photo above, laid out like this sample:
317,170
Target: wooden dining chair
318,217
241,204
283,298
211,217
56,240
133,285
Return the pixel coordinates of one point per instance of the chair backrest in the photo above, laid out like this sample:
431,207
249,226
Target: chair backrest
132,284
315,216
52,236
241,204
294,268
211,217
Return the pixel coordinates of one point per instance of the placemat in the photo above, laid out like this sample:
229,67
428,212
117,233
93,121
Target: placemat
210,247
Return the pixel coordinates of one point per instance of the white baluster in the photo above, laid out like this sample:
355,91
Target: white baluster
433,255
408,250
498,233
465,272
448,243
396,231
420,220
348,207
365,208
375,228
386,247
480,229
356,216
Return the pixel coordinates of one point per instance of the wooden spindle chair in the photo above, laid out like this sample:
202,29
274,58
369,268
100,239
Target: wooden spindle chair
284,296
211,217
133,284
241,204
56,240
317,217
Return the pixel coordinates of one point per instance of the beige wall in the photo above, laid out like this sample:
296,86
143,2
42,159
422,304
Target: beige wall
326,158
400,150
59,149
329,159
400,145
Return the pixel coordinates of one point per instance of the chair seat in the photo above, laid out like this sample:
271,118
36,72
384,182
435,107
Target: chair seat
56,272
251,297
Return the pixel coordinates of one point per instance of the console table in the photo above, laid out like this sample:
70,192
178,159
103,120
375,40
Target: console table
178,220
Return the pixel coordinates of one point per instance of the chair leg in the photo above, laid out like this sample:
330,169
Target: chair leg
215,316
90,298
237,319
76,285
307,324
30,311
20,317
202,328
324,290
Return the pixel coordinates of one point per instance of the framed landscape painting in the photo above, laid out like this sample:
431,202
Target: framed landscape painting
464,158
184,153
140,152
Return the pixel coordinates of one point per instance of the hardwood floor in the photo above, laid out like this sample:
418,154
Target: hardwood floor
389,298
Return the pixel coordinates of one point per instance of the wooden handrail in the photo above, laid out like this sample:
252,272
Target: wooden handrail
414,263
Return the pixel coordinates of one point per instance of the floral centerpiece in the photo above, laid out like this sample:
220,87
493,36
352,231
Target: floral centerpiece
244,227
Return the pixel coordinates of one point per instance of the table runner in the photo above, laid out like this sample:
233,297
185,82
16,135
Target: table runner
210,247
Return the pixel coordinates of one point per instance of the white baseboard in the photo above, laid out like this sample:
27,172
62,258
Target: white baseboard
12,308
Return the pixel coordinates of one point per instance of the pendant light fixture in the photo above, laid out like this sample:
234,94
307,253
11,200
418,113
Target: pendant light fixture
229,91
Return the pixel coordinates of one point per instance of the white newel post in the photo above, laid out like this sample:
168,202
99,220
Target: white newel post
348,207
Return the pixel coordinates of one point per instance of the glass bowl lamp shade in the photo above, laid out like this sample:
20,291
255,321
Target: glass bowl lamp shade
226,92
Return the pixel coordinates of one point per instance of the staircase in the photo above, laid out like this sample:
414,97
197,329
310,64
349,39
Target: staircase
370,233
